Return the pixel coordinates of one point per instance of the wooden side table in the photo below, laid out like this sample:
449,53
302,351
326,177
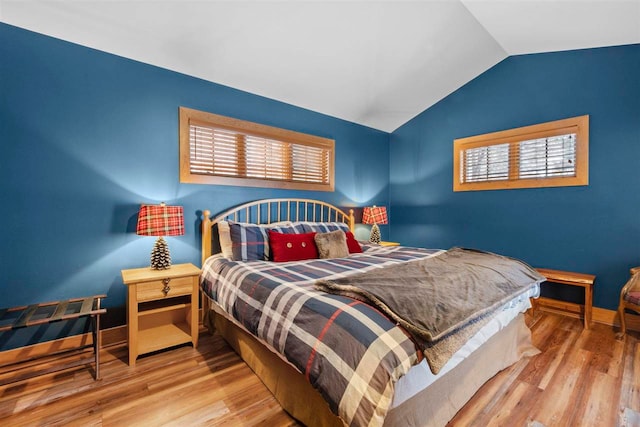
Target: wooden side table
162,308
574,279
389,244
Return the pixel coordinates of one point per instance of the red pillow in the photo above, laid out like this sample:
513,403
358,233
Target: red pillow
352,244
292,247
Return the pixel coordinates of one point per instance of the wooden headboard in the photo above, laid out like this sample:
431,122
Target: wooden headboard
268,211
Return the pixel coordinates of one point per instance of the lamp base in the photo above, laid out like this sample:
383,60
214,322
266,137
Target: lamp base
160,256
375,234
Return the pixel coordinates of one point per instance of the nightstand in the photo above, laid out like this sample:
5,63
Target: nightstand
573,279
162,308
389,244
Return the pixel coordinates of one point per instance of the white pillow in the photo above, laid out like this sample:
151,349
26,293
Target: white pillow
225,239
279,224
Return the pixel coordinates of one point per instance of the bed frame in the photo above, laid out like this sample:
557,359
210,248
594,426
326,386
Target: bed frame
268,211
435,405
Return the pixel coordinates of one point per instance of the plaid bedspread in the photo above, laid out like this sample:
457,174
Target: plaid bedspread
350,352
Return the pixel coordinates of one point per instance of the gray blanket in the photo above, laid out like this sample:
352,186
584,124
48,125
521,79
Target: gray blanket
441,301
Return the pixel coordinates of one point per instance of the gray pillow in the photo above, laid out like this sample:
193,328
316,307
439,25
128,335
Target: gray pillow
332,244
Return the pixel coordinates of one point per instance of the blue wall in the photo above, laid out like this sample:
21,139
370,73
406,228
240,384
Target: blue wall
592,229
88,136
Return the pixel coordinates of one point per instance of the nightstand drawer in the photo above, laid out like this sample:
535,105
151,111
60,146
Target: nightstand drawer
149,291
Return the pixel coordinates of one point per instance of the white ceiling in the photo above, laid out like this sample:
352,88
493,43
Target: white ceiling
377,63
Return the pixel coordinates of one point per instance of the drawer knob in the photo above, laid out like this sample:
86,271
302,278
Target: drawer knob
166,288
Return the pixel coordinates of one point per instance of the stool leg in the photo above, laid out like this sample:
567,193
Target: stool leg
97,340
623,324
588,305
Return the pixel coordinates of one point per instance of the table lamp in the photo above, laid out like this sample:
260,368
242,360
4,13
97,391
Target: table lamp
374,215
160,220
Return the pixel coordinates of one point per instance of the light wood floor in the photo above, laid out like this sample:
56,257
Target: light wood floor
582,378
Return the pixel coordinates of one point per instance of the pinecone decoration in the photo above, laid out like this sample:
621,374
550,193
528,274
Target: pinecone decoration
160,256
375,234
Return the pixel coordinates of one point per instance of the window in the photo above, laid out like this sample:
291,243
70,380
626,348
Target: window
552,154
226,151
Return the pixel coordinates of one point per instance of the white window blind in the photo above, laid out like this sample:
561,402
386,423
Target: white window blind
548,157
537,158
485,163
265,158
222,150
231,153
310,164
551,154
213,152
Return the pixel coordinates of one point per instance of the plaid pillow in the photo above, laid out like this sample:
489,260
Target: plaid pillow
322,227
250,242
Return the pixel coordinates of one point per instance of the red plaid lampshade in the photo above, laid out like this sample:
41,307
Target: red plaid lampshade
160,220
374,215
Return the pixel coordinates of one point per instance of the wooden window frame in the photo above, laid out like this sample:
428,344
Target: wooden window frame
578,125
188,116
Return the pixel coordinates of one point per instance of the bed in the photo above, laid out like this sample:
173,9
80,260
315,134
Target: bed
305,358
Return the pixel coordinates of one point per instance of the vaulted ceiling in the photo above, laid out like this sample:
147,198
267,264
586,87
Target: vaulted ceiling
377,63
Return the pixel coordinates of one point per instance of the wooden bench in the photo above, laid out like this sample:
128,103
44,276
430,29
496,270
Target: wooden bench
39,314
574,279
